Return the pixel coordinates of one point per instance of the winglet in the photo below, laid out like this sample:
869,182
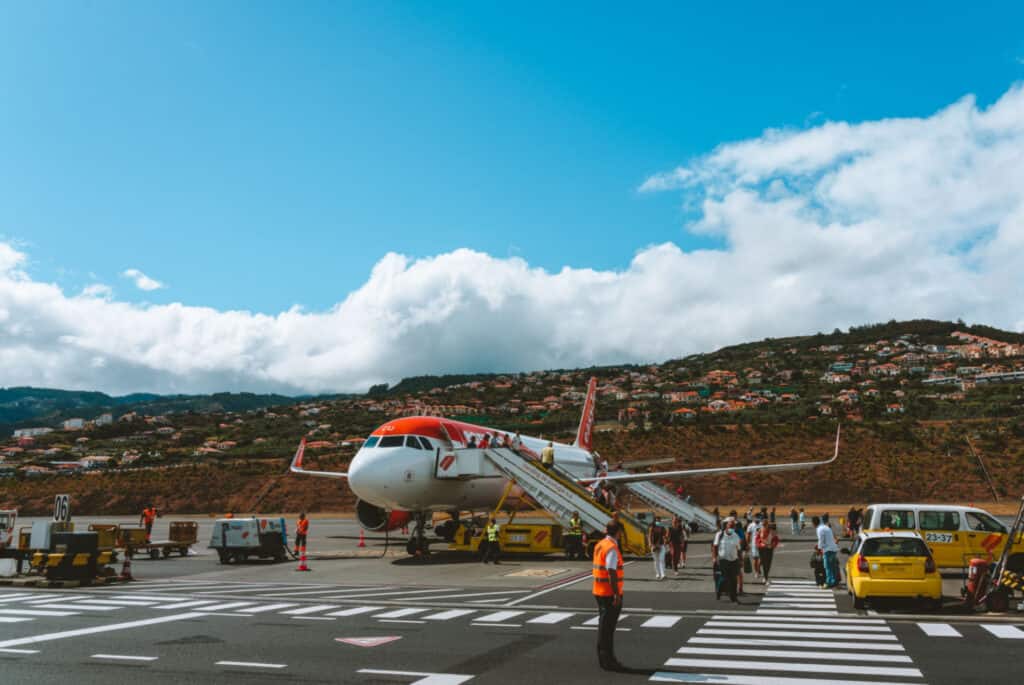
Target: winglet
585,434
296,465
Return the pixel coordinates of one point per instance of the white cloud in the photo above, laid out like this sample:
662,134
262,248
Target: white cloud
833,226
142,281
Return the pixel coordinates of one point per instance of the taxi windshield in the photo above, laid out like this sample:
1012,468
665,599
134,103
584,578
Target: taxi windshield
894,547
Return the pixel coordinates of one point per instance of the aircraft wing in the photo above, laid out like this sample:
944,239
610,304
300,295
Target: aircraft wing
717,470
296,465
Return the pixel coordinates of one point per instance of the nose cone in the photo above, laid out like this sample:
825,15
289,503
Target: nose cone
368,477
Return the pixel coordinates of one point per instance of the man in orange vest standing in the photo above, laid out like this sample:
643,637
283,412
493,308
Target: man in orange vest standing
608,594
301,530
146,519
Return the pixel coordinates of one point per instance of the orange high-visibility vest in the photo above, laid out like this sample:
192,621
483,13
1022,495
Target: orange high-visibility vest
148,515
302,527
602,581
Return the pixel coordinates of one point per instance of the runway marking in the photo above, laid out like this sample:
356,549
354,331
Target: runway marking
450,614
661,621
498,616
812,644
798,618
757,679
19,651
310,610
597,619
266,607
46,637
762,665
27,595
558,586
423,678
478,594
225,607
368,641
36,612
336,594
790,612
760,632
124,657
939,630
784,654
118,602
55,597
1005,632
552,617
796,626
313,618
618,630
496,625
354,611
154,598
185,605
250,664
401,613
392,594
13,619
401,620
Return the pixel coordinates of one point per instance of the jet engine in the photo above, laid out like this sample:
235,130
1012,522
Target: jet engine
372,517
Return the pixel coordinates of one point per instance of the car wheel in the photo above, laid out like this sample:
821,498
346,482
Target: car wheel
860,603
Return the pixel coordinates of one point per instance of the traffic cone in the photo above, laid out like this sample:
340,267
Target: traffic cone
302,560
362,539
126,567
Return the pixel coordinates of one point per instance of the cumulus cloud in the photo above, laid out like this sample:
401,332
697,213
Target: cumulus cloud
826,227
142,281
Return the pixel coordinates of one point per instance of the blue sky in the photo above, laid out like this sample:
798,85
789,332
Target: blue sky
260,155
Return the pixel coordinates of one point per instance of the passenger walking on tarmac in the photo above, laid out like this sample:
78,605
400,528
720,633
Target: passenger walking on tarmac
301,531
803,520
829,549
728,555
493,546
547,456
751,537
574,538
677,539
794,519
771,516
607,590
146,519
657,536
767,541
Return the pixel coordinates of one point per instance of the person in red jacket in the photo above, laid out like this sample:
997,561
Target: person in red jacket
146,519
301,531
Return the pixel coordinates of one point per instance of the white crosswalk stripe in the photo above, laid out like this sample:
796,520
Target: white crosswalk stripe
939,630
1004,631
796,629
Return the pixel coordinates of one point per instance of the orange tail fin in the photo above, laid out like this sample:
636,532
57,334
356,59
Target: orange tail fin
585,434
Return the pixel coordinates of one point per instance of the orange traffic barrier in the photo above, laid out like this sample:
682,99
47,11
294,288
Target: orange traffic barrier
362,539
302,560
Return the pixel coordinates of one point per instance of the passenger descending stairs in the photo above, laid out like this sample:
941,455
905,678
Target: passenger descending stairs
659,498
560,495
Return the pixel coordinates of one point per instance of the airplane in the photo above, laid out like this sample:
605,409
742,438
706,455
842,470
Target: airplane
393,474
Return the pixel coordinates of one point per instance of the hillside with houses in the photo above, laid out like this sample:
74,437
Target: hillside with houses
916,399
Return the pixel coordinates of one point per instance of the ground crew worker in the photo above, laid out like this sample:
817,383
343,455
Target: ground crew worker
493,546
547,456
146,519
574,537
607,589
301,531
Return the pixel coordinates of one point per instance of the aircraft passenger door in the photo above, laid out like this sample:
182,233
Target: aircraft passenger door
941,532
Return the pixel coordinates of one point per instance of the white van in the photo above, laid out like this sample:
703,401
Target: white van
954,534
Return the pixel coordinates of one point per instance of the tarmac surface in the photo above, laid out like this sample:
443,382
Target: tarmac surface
375,615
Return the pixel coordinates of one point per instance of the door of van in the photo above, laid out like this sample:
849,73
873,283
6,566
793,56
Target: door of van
985,535
941,530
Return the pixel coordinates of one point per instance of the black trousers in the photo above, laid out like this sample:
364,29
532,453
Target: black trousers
766,554
492,552
608,616
573,546
729,569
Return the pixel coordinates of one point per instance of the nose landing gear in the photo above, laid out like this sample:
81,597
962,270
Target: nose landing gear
418,544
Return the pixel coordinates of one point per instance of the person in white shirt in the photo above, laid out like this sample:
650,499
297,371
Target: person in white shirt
829,549
755,556
728,555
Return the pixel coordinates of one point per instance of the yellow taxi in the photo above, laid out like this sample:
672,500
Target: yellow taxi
889,565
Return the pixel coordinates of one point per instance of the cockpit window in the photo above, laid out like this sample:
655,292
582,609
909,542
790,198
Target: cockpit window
392,441
413,441
370,442
426,443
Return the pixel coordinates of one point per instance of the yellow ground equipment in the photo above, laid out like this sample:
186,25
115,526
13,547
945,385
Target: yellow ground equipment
183,535
522,538
72,556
